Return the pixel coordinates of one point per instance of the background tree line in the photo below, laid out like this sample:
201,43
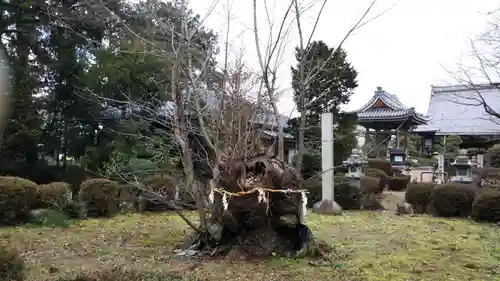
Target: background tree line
85,83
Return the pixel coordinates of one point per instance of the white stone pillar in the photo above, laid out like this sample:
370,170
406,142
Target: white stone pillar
327,156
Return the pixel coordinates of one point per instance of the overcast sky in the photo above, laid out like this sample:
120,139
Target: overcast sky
404,50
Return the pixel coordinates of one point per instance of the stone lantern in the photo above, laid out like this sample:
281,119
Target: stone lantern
399,159
355,166
463,166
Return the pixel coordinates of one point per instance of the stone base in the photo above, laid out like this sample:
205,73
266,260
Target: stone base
327,207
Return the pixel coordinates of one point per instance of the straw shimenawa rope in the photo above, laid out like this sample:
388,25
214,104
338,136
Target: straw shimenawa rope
258,189
261,197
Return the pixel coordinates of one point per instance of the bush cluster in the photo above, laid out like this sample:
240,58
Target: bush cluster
56,195
455,200
398,183
100,196
22,200
347,195
17,196
381,175
418,194
381,164
452,200
370,185
486,205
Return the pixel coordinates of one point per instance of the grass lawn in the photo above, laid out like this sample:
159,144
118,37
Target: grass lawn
368,246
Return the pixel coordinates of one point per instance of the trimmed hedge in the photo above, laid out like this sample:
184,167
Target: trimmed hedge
381,175
17,196
418,195
486,205
370,185
381,164
398,183
56,195
347,195
452,200
100,196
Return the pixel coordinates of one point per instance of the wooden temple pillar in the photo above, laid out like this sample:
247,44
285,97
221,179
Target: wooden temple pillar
398,141
406,139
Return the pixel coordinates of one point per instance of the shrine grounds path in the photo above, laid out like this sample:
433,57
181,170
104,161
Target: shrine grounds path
368,246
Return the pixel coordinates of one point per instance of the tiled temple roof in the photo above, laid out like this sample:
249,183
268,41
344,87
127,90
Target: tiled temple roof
392,109
459,110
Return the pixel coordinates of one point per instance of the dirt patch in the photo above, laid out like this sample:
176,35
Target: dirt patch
391,199
367,246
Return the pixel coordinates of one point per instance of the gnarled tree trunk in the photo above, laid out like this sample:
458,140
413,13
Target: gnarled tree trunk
257,211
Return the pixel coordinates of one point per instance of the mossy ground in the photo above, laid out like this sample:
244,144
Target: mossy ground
368,246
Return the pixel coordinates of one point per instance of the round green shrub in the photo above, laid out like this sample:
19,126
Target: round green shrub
17,196
347,195
452,200
370,185
55,195
100,196
341,192
486,205
11,265
381,164
418,195
398,183
383,178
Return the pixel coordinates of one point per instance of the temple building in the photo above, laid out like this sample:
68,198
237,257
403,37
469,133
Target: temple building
383,117
461,110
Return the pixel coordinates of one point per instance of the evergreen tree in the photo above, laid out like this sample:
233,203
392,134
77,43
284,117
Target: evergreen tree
329,82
